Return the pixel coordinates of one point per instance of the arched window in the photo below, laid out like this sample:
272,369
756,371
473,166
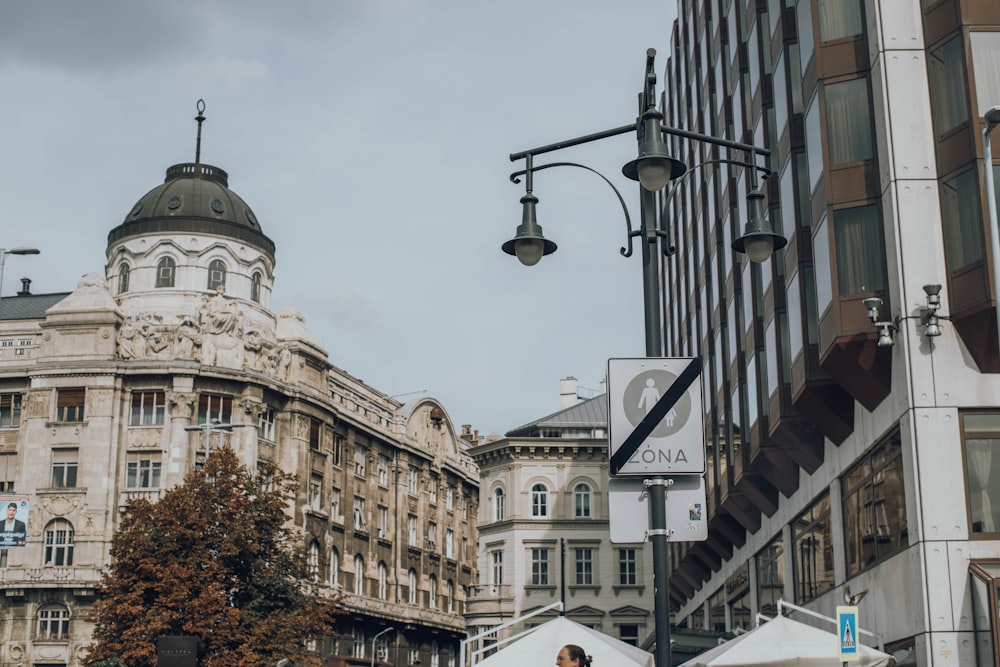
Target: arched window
216,275
383,582
498,508
359,575
449,590
435,654
539,501
411,578
123,272
53,622
334,576
59,543
255,287
581,501
166,271
312,561
432,595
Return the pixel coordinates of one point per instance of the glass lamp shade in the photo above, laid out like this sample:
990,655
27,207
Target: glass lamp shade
655,172
758,247
528,244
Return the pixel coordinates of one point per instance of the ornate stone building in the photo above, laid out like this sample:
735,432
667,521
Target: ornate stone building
98,389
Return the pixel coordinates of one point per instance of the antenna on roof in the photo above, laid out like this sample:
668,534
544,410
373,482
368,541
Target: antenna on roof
201,119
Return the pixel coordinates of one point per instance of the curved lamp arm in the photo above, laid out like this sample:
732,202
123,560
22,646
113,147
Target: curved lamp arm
516,178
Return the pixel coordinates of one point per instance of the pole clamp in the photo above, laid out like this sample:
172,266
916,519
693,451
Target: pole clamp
658,481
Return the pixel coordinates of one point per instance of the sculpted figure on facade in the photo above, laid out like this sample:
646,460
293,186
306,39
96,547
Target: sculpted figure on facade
253,345
187,340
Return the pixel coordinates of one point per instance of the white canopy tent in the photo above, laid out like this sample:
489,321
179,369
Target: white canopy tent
544,642
782,642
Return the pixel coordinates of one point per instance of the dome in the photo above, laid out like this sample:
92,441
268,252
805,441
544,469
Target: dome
194,198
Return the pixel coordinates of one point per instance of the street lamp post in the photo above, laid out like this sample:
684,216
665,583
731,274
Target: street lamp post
210,427
13,251
654,169
375,638
992,118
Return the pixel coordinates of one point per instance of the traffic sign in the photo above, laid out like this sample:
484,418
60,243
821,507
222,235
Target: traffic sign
847,633
628,509
655,418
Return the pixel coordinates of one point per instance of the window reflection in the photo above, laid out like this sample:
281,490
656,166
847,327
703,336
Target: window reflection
812,554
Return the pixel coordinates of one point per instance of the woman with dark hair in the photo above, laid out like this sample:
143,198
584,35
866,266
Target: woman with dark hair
572,655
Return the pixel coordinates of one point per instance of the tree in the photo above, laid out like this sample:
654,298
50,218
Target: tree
213,558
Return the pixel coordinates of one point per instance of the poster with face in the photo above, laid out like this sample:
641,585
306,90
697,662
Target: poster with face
14,528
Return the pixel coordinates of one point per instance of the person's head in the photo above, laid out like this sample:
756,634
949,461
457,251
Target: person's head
11,511
572,655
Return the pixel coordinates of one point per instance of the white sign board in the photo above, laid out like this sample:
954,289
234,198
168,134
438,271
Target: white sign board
655,417
628,509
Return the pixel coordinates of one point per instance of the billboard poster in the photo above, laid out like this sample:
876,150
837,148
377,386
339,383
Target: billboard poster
14,526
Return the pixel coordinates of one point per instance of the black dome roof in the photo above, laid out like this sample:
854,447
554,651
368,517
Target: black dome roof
194,197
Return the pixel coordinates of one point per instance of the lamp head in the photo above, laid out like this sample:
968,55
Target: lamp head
23,251
872,304
528,244
932,329
933,293
759,239
992,117
654,168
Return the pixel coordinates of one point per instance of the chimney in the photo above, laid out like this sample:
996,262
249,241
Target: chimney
567,393
25,287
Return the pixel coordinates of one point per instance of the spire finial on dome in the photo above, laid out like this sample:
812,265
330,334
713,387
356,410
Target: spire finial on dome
201,119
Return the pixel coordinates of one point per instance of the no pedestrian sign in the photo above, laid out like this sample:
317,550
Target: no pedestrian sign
655,416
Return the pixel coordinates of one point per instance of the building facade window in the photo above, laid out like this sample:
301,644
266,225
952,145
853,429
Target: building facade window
411,580
812,543
333,575
449,498
432,534
629,633
839,19
584,562
848,121
496,570
449,603
255,287
142,470
216,275
148,408
981,435
875,506
498,505
265,425
383,521
64,468
383,581
53,623
359,513
215,407
963,231
412,478
411,529
359,575
859,249
59,538
627,570
449,543
315,428
770,577
312,561
581,501
123,276
949,96
539,501
338,450
69,404
358,643
432,599
166,270
10,410
539,567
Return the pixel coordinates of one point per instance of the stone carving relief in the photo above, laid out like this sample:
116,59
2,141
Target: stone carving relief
144,438
38,403
181,404
215,336
100,401
58,505
253,409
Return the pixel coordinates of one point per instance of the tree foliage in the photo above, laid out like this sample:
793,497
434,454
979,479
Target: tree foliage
213,558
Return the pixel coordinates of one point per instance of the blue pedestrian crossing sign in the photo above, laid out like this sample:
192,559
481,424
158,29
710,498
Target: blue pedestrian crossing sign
847,633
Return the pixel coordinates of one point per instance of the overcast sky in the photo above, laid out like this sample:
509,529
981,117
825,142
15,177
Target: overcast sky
371,138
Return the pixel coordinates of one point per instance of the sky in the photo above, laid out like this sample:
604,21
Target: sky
372,140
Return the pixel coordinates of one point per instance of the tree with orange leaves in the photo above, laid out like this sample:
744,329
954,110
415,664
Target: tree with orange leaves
214,558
